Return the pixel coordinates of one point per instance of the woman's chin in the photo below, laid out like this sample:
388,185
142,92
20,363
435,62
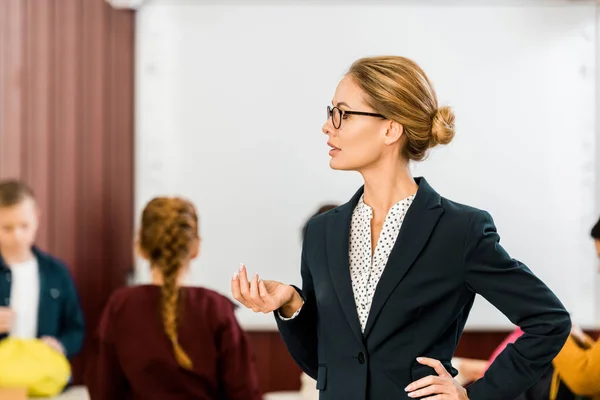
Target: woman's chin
337,164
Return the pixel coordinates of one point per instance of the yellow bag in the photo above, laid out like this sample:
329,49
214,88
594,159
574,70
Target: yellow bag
32,364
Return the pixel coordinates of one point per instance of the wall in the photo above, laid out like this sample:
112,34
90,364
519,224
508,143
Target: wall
215,108
243,141
66,127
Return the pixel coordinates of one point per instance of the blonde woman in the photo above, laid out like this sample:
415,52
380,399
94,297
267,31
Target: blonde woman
389,278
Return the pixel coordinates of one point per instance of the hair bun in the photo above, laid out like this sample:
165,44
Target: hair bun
442,128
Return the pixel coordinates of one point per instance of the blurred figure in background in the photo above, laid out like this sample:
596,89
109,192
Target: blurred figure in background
38,298
163,341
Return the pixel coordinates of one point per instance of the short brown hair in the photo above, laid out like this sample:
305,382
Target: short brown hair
13,192
596,231
399,89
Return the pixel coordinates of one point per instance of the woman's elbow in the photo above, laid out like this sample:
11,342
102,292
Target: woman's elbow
566,327
561,327
563,330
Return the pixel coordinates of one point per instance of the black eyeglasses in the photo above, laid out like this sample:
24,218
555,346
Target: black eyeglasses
337,115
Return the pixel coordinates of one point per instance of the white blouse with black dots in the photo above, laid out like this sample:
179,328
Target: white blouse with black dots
365,270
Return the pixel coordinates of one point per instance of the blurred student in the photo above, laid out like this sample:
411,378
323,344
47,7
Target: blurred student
578,363
38,298
164,341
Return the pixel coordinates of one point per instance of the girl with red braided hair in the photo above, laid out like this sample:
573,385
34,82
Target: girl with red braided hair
164,341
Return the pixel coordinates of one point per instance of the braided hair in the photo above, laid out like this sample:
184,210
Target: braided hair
169,229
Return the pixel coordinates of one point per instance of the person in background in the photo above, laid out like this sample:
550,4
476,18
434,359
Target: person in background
164,341
38,298
577,365
595,234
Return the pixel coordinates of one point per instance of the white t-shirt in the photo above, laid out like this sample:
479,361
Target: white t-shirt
25,298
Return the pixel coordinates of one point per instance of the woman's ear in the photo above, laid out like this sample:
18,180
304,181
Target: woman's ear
394,132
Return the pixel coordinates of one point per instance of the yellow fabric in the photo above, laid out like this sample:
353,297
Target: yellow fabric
554,385
33,365
578,366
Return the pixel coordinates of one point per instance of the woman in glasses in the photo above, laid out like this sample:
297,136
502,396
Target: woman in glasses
389,278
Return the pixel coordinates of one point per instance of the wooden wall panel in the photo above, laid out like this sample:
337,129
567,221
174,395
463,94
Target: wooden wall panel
11,92
66,127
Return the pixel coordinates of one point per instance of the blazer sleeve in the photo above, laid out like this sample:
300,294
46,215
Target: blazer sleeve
72,324
527,302
579,368
110,381
300,333
237,364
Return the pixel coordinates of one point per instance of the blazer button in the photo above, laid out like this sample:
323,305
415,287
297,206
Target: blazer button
361,358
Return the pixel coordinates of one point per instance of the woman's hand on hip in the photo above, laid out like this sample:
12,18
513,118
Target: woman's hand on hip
440,387
260,295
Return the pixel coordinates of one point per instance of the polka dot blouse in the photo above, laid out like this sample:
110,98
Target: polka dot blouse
366,270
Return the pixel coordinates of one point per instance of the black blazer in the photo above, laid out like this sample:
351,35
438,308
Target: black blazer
445,253
59,313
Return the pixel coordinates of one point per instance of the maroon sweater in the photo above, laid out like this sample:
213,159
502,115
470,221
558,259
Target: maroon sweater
135,359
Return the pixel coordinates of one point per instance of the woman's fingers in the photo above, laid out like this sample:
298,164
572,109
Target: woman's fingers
434,387
428,391
244,284
249,293
235,289
269,300
257,302
436,365
424,382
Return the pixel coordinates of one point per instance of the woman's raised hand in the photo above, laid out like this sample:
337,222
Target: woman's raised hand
264,296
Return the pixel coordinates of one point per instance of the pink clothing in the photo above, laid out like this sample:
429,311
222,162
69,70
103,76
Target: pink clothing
509,339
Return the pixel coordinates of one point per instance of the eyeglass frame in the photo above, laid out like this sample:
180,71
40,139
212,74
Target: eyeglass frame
348,112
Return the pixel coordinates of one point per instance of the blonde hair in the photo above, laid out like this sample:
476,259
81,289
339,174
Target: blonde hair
399,89
169,228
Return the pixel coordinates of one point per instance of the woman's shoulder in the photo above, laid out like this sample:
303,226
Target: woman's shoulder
461,210
470,220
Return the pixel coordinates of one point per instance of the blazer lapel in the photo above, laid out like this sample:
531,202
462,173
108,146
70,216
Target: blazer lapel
338,238
419,222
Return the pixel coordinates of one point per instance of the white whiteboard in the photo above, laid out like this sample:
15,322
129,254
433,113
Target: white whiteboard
231,99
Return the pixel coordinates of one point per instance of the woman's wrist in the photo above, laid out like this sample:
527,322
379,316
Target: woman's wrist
291,306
